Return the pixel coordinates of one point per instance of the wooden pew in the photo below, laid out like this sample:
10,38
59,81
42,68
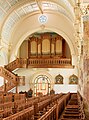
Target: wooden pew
26,114
39,107
6,105
52,109
73,109
49,115
19,102
61,103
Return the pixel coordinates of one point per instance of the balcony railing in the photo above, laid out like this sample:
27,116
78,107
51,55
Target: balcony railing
39,63
48,62
13,80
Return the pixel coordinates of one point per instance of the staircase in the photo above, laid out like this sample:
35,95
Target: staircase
18,63
7,74
13,80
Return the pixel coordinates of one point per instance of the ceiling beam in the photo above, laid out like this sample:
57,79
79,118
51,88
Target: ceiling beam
40,8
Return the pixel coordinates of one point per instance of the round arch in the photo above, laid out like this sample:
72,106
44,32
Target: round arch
41,85
65,9
30,26
44,74
58,31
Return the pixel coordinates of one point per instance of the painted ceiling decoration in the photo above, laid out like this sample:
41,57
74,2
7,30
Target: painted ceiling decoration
11,11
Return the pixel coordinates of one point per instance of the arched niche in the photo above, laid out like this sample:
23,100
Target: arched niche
73,79
59,79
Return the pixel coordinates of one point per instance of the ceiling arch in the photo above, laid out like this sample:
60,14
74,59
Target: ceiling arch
9,5
16,9
65,29
27,9
13,15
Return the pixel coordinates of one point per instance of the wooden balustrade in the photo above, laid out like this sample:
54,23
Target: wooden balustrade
49,62
38,62
12,65
23,62
7,74
18,63
10,77
13,79
9,85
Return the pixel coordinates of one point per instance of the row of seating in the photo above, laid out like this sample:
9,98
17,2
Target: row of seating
74,109
26,114
53,110
48,107
21,108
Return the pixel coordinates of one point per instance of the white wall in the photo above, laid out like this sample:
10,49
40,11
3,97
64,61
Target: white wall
24,50
67,51
1,81
31,74
65,88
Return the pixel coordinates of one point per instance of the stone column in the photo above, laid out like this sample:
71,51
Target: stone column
79,41
86,66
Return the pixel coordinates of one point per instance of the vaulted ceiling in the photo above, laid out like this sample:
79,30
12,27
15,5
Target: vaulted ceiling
18,17
11,11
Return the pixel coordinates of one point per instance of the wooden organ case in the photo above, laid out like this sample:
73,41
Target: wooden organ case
45,45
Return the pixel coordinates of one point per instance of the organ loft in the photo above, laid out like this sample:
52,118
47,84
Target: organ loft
44,59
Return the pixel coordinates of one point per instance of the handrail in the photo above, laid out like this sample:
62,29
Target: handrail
38,62
12,79
14,63
7,73
18,63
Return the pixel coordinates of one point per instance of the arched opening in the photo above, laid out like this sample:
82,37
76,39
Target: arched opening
41,85
47,44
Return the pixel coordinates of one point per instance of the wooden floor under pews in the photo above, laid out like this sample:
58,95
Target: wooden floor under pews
49,107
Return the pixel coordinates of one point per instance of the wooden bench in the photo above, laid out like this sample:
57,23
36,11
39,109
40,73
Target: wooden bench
26,114
49,115
73,109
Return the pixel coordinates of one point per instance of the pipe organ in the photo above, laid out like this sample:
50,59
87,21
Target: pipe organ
45,45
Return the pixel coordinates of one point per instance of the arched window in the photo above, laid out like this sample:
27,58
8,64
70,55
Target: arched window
42,85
